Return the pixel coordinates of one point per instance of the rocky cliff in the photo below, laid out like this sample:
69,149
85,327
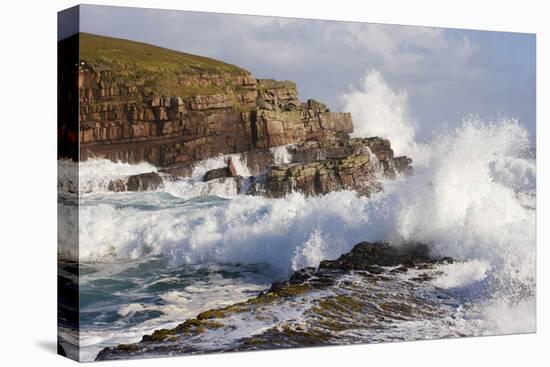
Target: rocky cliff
140,102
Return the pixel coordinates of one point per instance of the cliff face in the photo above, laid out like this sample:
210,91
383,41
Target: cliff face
144,103
173,114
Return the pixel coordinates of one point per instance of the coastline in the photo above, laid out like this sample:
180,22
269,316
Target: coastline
370,260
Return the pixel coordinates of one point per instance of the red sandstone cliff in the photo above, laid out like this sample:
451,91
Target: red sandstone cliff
140,102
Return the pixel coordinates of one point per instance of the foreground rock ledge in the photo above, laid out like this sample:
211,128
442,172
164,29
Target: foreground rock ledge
371,260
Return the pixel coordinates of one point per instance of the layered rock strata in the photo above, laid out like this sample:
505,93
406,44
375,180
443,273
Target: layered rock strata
128,115
140,102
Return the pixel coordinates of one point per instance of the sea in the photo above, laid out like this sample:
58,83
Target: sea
151,260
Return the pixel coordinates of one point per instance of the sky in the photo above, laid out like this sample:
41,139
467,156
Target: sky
436,77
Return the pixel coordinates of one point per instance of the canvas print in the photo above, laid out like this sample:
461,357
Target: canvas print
238,183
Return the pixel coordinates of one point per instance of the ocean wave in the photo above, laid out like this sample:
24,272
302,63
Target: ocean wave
518,174
94,175
453,203
464,201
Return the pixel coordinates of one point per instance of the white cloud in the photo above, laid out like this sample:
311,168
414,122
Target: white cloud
447,73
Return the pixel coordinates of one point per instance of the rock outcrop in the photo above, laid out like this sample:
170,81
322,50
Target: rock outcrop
333,304
223,172
142,182
139,102
317,178
319,167
365,255
217,173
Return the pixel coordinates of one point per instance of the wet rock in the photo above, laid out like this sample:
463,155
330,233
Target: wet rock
117,185
354,172
217,173
227,171
365,256
302,275
141,182
379,149
238,180
403,165
277,286
256,185
332,312
144,182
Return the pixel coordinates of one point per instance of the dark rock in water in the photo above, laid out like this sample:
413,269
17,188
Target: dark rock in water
320,167
302,275
365,255
217,173
277,286
117,185
141,182
228,171
239,183
318,178
122,350
144,182
403,165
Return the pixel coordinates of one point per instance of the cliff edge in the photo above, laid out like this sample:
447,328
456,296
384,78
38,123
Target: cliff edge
140,102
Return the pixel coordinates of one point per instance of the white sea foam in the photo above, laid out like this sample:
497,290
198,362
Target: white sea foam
176,305
452,203
95,174
218,162
461,274
518,174
281,154
511,317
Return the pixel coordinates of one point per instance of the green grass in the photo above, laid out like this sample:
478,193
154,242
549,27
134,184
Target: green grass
129,56
154,69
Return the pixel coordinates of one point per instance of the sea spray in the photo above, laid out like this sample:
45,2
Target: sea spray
453,203
281,154
200,168
96,174
378,110
466,201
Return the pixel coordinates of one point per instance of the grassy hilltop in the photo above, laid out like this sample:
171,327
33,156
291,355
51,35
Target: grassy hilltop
130,56
156,69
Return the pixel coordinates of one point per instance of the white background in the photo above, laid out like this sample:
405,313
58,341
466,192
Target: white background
28,180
